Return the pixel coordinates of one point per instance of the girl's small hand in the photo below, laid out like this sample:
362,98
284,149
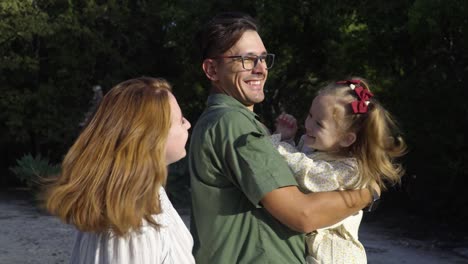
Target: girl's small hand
286,125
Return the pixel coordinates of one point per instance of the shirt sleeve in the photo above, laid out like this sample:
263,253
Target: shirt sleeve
315,175
253,163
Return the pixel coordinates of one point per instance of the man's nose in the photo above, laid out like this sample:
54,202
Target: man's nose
259,68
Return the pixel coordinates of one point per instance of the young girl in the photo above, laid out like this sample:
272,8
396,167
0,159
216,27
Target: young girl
111,182
348,144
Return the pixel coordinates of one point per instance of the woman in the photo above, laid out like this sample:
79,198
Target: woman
112,178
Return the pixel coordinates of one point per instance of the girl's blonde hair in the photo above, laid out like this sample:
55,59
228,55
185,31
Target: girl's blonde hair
110,177
377,143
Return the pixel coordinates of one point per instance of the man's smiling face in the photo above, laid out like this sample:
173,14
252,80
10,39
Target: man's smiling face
246,86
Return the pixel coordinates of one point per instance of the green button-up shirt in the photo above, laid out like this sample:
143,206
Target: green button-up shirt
233,165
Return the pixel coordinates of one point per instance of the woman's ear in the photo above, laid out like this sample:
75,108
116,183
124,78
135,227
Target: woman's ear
210,68
348,139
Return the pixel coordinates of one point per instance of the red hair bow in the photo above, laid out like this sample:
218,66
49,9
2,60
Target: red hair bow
364,95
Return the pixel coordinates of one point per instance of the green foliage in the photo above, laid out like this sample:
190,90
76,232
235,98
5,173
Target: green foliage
31,170
177,185
414,53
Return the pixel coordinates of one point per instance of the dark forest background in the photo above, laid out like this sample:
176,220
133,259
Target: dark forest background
414,52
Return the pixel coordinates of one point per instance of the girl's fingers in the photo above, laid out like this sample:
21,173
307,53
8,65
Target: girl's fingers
287,120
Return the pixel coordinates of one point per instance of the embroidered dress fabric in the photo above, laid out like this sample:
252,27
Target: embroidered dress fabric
169,243
337,243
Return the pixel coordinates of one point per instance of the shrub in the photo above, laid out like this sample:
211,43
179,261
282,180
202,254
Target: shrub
29,170
178,183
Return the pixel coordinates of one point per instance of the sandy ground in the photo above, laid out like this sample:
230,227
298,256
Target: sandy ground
28,235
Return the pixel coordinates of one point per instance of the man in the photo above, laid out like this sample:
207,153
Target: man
245,201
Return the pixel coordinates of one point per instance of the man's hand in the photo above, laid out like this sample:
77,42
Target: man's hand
286,125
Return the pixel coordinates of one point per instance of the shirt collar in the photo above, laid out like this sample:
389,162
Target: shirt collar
223,99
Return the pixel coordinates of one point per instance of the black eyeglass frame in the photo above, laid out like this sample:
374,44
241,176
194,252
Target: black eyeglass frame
257,58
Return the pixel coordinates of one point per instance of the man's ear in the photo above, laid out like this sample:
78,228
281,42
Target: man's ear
210,68
348,139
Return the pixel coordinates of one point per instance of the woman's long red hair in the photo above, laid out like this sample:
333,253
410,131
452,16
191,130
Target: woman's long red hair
111,176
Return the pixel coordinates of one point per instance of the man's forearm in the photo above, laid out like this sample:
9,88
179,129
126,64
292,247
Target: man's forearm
308,212
323,209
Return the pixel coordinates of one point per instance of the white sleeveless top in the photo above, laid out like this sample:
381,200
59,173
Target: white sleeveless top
169,243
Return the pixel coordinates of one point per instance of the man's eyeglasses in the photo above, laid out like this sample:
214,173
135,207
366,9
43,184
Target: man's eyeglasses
250,61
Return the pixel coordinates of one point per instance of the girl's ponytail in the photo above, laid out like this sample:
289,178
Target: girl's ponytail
378,142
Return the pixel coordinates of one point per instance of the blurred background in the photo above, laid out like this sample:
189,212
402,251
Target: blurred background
57,59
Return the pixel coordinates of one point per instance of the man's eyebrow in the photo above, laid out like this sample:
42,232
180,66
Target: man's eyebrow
254,54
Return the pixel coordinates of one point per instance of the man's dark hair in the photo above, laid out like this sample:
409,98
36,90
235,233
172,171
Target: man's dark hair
222,32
